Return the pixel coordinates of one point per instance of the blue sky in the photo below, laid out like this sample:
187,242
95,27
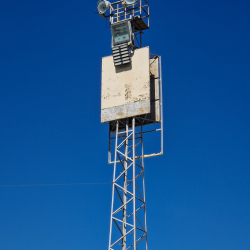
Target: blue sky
50,130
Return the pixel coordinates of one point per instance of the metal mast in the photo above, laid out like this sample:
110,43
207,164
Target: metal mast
128,225
131,99
128,222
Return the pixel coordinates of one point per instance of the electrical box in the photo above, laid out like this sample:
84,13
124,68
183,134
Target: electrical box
130,90
121,32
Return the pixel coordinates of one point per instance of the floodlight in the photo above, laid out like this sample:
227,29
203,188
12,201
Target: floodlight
103,6
129,1
121,32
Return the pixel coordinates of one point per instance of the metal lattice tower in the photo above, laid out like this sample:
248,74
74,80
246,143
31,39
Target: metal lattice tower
128,226
131,98
128,223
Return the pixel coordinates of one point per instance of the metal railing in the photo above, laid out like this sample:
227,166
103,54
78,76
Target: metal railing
122,12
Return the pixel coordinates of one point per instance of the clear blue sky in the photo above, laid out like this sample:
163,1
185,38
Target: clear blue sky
198,193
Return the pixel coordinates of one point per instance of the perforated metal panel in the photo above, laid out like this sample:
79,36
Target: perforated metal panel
121,55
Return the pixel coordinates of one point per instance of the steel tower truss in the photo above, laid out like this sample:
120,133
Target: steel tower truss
128,225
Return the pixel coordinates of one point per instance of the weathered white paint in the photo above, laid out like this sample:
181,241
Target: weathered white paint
126,84
125,111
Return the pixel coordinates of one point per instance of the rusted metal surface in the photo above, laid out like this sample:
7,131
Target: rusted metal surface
126,90
125,111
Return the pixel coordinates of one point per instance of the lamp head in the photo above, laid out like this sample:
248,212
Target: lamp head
121,32
129,1
103,6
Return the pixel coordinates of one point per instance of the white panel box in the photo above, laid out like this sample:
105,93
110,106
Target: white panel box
125,89
130,90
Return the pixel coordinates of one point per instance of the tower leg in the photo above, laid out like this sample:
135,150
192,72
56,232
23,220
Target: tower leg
128,225
124,227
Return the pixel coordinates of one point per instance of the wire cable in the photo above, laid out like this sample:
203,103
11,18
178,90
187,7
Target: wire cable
66,184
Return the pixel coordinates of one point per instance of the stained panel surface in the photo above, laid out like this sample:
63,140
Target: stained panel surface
126,90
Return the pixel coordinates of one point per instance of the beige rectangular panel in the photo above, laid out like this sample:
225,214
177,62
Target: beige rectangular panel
126,89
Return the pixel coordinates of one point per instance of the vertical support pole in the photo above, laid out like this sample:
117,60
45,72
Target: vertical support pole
140,30
134,191
161,103
125,183
113,186
140,7
109,153
144,191
118,18
148,15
